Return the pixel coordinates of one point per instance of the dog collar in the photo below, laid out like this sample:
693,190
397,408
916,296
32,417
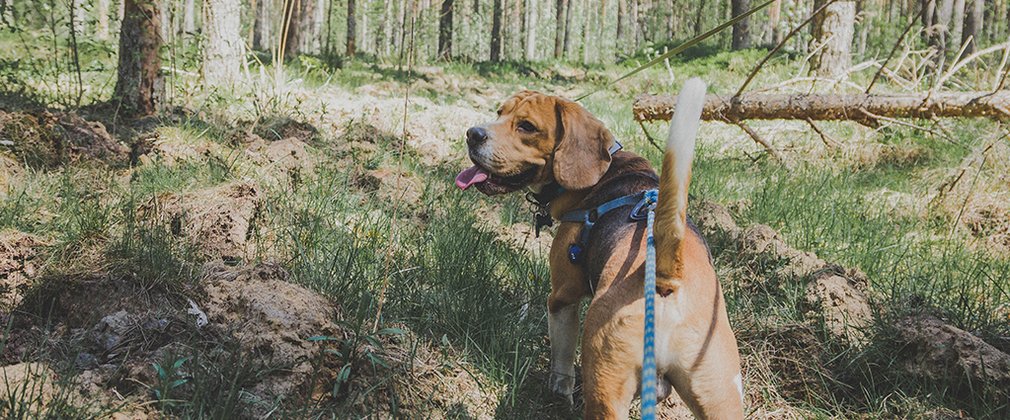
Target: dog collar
542,200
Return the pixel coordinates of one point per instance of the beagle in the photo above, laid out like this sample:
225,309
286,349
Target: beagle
567,157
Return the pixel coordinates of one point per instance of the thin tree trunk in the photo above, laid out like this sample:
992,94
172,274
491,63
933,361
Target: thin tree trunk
741,29
973,18
139,85
532,9
166,20
559,28
834,41
290,28
861,108
254,9
102,24
351,50
568,28
774,16
586,32
364,25
223,49
189,17
384,36
622,22
698,18
496,29
262,26
957,24
445,31
636,28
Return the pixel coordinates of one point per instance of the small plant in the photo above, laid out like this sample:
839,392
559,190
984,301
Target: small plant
169,380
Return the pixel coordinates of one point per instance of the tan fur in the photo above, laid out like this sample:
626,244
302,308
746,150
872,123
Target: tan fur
696,349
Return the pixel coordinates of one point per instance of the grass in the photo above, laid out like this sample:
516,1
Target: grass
440,271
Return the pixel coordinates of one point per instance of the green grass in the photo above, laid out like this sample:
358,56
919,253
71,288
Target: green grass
437,268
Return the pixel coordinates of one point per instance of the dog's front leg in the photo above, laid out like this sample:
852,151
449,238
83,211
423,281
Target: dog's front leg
563,328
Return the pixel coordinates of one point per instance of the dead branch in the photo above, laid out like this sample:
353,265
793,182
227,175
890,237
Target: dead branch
827,107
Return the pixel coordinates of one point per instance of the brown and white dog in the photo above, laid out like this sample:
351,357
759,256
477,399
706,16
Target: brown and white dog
540,140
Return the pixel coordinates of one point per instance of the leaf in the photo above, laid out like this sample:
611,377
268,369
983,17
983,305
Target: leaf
160,371
178,363
177,383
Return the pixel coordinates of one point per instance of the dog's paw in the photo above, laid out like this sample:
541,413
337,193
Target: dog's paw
563,385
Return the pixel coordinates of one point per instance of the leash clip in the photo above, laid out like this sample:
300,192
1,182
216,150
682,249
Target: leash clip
642,209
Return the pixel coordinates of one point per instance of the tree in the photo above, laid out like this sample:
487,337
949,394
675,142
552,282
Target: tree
973,17
262,25
531,30
102,22
189,17
834,40
560,29
300,26
139,83
496,31
224,49
445,31
351,34
741,29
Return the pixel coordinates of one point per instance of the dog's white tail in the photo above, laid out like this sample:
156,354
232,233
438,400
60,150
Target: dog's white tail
671,211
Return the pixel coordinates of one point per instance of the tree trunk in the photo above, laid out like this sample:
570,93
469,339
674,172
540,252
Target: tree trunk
445,31
862,108
586,38
166,20
189,17
956,24
384,36
699,17
300,16
834,40
559,27
139,86
351,34
224,49
622,21
774,16
532,9
636,27
364,26
262,26
102,24
567,47
973,19
741,29
496,30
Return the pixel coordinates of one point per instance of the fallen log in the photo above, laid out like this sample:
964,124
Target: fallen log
862,108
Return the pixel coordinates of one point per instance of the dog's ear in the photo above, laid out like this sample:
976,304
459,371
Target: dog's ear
582,155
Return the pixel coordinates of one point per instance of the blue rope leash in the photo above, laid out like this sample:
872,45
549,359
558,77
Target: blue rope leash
649,347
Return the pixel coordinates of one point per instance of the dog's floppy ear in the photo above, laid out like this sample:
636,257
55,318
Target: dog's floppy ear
582,155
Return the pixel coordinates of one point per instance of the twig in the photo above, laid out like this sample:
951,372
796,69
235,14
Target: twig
957,66
649,137
754,135
908,28
825,138
782,43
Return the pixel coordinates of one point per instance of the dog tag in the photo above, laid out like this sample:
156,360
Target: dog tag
540,220
574,253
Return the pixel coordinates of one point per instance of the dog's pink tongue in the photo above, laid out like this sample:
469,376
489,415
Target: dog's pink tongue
470,176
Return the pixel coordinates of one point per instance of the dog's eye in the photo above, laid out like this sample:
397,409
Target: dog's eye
526,126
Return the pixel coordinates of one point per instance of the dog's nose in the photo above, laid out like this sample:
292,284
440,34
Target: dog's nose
475,136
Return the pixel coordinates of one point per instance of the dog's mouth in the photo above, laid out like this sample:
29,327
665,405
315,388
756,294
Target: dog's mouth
488,183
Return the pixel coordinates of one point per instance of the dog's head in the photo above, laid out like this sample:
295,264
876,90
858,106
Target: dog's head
537,139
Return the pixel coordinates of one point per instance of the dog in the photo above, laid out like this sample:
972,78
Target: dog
557,149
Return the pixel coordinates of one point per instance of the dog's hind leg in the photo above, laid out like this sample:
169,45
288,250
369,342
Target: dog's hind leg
611,362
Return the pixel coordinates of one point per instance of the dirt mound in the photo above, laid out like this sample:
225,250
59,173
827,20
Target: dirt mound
217,221
391,185
939,351
834,295
170,146
47,140
30,387
288,158
19,263
272,319
282,128
840,300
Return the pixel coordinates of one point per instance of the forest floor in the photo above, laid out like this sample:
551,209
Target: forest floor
296,248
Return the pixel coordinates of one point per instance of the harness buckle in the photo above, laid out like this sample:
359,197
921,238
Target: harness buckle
642,209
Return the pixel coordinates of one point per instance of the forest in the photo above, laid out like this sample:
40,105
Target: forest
245,208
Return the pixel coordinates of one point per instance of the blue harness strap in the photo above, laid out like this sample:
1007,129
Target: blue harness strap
645,205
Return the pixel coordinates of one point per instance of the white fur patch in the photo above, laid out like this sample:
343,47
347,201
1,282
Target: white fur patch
738,380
